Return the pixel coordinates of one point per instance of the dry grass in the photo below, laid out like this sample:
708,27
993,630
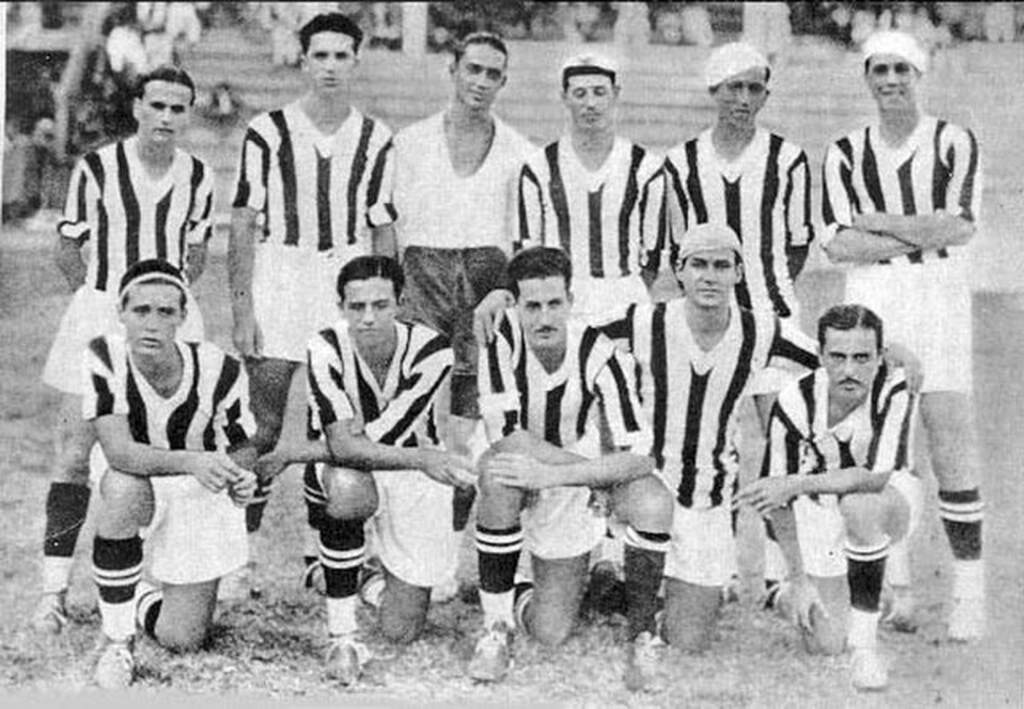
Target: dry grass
268,650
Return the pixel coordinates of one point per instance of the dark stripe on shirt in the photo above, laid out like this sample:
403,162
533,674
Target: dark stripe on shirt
691,436
558,199
659,373
355,177
137,421
289,188
181,418
594,232
736,386
769,195
132,215
734,218
552,415
700,212
323,201
628,203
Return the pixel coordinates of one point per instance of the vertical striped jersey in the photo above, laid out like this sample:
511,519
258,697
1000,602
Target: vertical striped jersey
129,216
208,412
517,393
691,396
938,168
764,195
342,386
876,435
314,191
609,221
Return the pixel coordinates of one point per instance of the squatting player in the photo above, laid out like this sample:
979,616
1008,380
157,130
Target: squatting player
839,475
135,199
901,198
545,380
373,382
314,189
174,422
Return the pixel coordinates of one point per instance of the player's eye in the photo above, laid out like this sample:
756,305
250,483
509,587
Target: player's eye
862,358
177,109
158,105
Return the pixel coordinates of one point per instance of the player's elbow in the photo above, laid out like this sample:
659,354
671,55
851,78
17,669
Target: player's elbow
962,232
836,250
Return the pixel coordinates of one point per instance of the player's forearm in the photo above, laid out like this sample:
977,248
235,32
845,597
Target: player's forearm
610,469
241,257
245,454
852,245
195,262
925,231
384,240
361,453
842,481
146,461
783,522
68,256
537,448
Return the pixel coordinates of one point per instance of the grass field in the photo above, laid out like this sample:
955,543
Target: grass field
268,651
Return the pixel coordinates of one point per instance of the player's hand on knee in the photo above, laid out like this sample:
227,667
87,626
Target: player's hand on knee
215,471
243,490
448,468
519,471
766,494
805,598
270,465
489,312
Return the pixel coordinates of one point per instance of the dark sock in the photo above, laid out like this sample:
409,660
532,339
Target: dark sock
67,505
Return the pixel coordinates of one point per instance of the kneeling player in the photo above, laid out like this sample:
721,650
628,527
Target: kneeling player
544,381
173,419
838,459
373,381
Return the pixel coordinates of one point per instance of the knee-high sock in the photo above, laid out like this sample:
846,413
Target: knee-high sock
117,568
865,573
644,562
147,607
962,513
316,512
254,510
67,505
342,549
498,555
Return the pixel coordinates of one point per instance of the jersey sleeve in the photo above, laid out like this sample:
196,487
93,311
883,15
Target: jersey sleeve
253,172
496,381
380,204
233,417
328,401
417,390
797,204
103,391
653,227
200,223
83,194
529,213
790,343
963,195
782,450
616,384
839,200
891,428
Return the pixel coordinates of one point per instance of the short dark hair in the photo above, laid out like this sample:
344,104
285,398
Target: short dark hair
330,22
538,262
150,271
169,73
850,317
362,268
487,38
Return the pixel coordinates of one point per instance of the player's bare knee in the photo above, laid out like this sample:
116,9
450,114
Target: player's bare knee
687,636
127,504
351,494
649,505
549,631
517,442
863,514
403,610
401,627
181,637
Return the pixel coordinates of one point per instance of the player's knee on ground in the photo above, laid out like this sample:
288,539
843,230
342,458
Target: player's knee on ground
864,515
558,592
645,504
351,494
127,504
691,613
403,609
186,614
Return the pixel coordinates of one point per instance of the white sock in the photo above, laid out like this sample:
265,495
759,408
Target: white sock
897,566
251,540
863,629
498,608
458,539
56,573
775,566
968,578
341,615
312,543
118,619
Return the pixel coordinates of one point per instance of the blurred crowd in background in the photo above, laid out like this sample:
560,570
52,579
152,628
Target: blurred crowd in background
136,36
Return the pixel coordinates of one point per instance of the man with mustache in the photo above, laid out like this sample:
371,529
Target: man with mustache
838,460
901,200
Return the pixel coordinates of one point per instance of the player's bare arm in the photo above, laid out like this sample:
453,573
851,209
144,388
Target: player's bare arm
195,261
68,257
241,255
803,595
767,494
926,231
486,315
858,245
384,241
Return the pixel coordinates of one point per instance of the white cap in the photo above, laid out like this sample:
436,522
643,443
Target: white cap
732,59
710,236
899,44
588,63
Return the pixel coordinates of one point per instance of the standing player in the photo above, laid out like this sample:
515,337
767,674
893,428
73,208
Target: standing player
545,380
373,381
901,197
136,199
838,461
452,192
313,191
174,421
698,355
758,183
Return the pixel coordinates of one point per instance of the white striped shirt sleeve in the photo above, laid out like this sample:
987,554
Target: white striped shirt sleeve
499,397
328,400
103,391
616,385
83,193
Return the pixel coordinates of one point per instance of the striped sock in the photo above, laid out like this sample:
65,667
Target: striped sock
342,550
865,572
147,607
644,562
254,510
962,513
117,568
498,555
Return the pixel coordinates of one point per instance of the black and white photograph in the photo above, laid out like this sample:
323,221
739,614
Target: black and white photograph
509,353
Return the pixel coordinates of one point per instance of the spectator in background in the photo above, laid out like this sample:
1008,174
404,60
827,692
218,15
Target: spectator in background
125,50
43,176
17,149
282,20
696,26
152,16
1000,23
183,28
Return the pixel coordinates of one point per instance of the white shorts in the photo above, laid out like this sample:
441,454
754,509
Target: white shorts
598,300
926,308
412,528
702,550
90,314
294,297
822,533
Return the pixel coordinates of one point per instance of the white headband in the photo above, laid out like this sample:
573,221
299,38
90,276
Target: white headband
898,44
730,60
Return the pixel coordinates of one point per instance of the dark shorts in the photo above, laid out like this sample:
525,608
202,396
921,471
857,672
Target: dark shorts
442,287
